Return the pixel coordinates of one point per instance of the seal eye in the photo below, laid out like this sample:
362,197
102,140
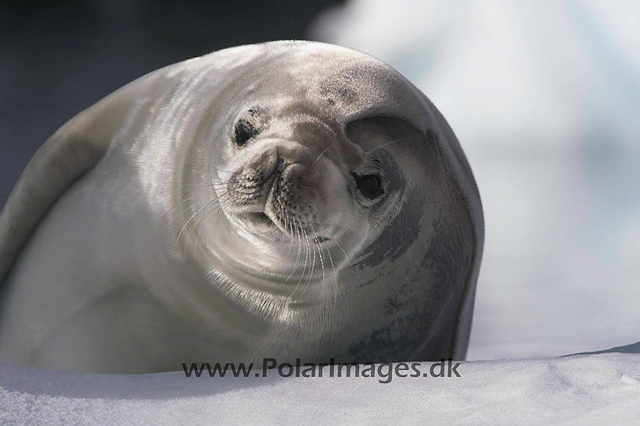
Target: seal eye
369,185
243,132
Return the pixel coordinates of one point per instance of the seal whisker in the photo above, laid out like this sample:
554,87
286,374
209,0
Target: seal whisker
315,234
307,282
323,151
291,244
388,143
312,249
226,214
307,255
204,215
335,277
298,255
202,209
344,252
184,226
183,200
306,259
333,268
295,231
163,219
312,260
308,187
286,258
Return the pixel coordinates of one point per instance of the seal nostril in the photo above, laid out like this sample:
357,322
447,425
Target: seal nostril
244,131
319,240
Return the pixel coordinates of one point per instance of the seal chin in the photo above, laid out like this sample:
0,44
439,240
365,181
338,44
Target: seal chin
260,221
265,225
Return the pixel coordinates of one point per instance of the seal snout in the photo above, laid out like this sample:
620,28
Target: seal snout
292,201
286,185
248,187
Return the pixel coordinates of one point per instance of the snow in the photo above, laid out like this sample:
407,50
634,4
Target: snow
545,98
580,389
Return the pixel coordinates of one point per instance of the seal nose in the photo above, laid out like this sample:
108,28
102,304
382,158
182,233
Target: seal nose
249,185
267,164
294,199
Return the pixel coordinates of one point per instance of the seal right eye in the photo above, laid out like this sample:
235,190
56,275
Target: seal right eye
369,185
243,132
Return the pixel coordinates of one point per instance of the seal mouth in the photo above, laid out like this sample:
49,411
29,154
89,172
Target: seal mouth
264,217
260,220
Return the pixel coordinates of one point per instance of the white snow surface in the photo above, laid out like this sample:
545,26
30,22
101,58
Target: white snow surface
577,390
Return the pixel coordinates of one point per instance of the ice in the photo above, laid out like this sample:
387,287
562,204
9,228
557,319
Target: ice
579,389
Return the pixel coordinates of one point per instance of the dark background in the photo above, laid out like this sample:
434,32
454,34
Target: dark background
57,58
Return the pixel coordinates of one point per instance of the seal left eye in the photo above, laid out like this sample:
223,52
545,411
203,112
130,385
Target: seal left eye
369,185
243,132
